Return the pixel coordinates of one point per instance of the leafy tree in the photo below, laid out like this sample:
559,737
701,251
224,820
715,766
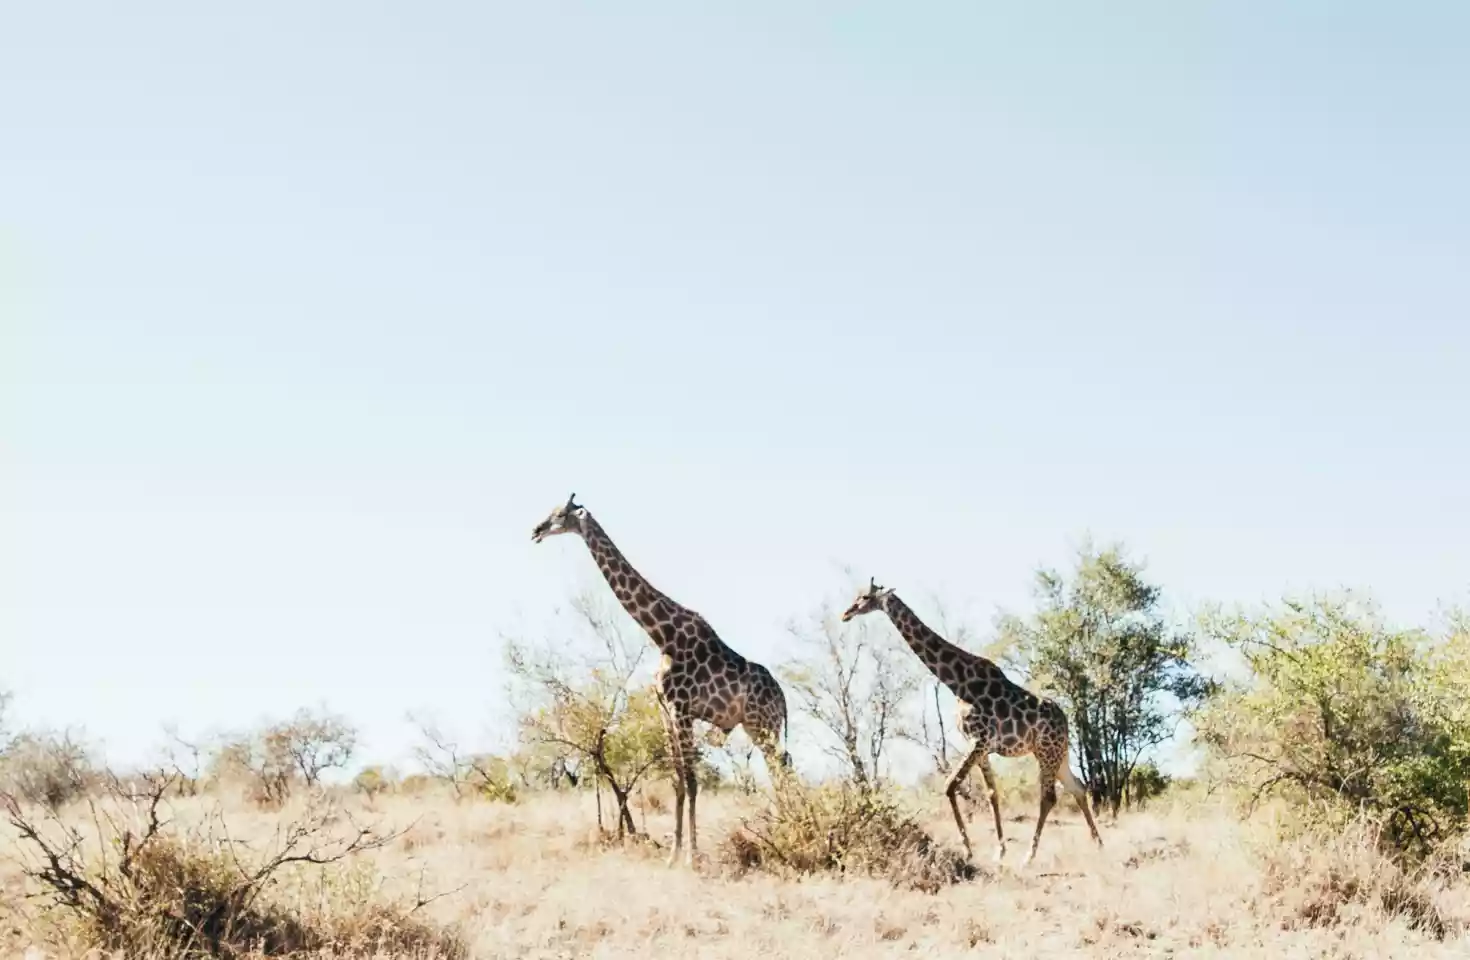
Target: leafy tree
1146,783
1348,715
490,777
617,729
1100,646
538,766
593,705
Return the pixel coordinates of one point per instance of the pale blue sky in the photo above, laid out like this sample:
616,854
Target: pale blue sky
311,311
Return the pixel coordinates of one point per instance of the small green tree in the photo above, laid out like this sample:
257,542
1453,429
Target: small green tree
1146,783
1100,646
373,781
490,778
1348,716
617,729
539,766
584,698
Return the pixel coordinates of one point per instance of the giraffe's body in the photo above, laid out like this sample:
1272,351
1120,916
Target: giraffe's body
997,715
700,677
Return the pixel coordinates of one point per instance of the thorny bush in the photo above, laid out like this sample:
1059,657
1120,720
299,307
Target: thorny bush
140,888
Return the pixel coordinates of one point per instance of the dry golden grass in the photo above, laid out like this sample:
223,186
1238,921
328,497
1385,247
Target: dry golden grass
532,880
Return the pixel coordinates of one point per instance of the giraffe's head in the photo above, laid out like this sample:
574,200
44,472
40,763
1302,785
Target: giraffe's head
869,600
568,518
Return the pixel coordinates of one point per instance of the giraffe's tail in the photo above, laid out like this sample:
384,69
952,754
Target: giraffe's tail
786,741
1070,781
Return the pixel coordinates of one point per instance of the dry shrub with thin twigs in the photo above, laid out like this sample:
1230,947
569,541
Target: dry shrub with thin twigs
141,889
842,828
46,768
1342,878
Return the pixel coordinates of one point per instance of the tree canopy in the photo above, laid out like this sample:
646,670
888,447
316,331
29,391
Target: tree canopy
1100,645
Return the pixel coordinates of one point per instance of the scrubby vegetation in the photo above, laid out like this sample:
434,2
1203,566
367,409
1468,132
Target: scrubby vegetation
843,828
1327,816
1099,644
127,879
46,768
1348,719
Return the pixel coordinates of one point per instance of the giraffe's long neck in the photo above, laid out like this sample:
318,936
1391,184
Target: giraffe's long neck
947,662
640,598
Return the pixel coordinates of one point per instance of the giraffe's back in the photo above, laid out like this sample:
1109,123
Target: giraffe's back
1010,720
710,681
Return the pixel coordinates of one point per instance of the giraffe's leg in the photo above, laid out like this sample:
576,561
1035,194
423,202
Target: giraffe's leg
688,764
671,733
769,744
1047,779
952,789
1000,836
1079,793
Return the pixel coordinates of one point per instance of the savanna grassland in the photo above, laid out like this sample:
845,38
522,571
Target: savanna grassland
1185,877
1326,816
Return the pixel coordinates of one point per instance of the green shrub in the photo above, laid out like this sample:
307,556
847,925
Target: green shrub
374,781
1145,783
490,778
1348,718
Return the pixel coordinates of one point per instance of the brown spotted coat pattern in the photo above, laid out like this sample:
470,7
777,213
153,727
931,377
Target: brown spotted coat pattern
997,715
700,677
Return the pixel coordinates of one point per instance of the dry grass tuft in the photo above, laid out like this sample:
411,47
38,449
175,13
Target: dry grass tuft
136,885
1343,879
183,901
843,830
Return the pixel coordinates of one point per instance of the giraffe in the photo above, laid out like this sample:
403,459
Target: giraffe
997,715
699,676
